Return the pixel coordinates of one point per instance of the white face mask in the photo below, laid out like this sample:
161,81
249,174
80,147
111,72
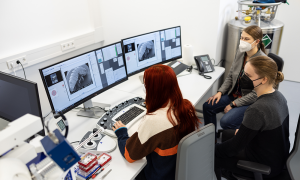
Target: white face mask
144,89
245,46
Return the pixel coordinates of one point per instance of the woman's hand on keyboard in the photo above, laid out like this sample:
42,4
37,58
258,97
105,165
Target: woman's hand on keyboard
118,125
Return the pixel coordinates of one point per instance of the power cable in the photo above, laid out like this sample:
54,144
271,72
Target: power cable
18,62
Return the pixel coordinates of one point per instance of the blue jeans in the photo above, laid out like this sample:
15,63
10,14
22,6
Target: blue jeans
231,120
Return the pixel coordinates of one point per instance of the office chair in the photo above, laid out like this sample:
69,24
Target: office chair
195,155
293,164
279,61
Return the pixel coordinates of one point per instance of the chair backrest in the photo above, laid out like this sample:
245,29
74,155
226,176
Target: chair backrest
279,61
293,162
195,155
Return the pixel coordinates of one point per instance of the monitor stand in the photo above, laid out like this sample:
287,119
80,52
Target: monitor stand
92,110
3,124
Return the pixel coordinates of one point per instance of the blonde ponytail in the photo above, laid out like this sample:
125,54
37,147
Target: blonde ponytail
279,78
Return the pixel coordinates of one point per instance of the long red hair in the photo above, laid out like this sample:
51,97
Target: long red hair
162,89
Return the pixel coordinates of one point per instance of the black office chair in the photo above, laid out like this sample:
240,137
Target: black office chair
279,61
292,171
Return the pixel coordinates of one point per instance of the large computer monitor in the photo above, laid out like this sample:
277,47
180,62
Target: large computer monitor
156,47
18,97
76,80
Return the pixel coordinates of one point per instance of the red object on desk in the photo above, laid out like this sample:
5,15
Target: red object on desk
87,162
103,159
95,174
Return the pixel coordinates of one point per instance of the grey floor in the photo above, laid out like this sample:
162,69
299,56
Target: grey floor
291,91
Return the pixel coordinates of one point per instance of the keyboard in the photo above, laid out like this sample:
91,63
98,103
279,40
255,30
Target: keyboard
130,115
128,112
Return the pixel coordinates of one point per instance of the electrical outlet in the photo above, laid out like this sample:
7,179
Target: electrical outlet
68,45
13,63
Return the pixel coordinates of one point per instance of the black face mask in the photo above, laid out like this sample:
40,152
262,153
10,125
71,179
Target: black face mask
247,83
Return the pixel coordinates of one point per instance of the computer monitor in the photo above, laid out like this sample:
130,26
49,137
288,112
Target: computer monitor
18,97
143,51
76,80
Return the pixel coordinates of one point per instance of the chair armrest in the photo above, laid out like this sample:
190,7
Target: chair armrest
219,133
254,167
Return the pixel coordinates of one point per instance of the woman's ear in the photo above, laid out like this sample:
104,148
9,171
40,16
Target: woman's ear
257,41
265,80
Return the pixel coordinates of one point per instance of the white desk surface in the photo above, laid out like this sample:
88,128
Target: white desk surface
121,169
193,87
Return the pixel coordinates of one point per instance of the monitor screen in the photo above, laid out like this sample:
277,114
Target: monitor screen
204,58
145,50
18,97
76,80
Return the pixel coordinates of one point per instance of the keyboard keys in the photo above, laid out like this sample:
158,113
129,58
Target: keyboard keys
130,115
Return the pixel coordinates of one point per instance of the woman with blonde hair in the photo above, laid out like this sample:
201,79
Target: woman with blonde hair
263,136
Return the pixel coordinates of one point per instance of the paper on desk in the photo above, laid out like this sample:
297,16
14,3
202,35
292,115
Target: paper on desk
175,65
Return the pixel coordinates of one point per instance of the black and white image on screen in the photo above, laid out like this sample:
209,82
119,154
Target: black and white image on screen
146,50
78,78
53,78
129,46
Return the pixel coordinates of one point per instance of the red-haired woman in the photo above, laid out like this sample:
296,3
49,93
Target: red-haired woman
169,118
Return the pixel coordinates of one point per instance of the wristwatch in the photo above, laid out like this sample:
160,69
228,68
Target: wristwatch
232,105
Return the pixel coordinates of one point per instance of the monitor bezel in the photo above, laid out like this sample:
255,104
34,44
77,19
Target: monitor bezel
42,132
143,69
88,97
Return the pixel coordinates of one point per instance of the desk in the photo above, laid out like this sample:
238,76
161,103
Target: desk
121,169
193,88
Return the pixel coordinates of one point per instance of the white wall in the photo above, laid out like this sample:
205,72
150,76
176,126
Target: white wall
33,74
227,12
198,20
45,22
290,44
30,24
